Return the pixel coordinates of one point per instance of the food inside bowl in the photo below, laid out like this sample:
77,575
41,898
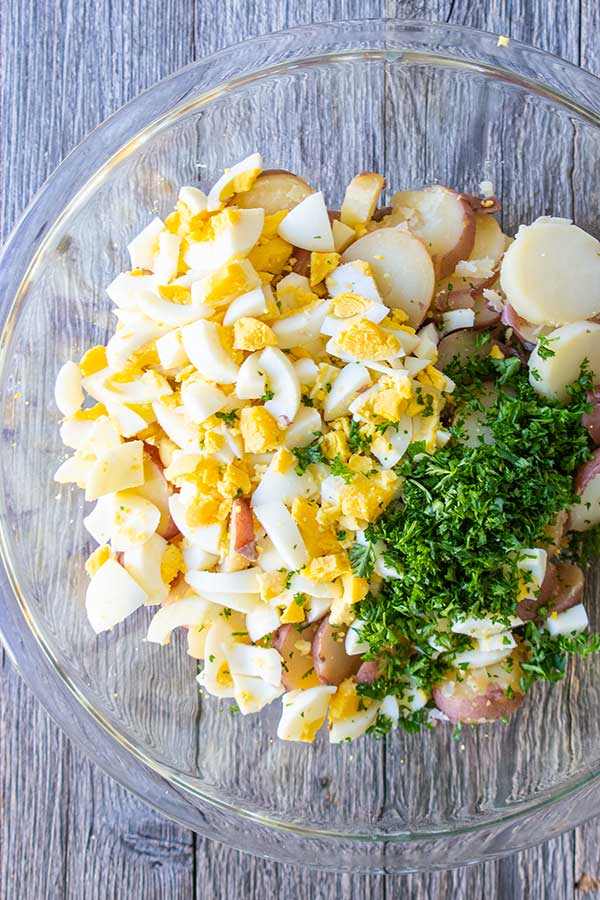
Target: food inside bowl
351,452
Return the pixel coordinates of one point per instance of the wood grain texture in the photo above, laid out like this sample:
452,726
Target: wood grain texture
66,830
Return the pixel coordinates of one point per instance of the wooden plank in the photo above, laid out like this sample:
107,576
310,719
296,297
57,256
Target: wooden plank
66,830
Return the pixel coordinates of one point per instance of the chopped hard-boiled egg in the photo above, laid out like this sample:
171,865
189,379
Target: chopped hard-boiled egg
264,380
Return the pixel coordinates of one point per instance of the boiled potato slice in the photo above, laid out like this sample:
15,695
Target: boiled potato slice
570,346
480,695
443,220
275,189
551,273
361,198
586,513
402,267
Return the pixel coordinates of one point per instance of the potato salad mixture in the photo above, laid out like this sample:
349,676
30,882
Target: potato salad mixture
350,452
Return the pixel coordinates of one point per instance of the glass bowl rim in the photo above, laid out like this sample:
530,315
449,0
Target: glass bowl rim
76,177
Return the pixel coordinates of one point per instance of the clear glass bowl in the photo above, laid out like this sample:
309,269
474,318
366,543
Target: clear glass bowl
421,103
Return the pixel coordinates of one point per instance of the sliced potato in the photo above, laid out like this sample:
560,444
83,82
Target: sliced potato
297,667
361,198
332,664
586,513
490,241
367,672
443,220
551,273
459,344
569,587
402,267
570,345
275,189
556,531
591,420
481,695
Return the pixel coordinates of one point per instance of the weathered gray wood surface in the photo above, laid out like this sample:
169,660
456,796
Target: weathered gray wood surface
66,830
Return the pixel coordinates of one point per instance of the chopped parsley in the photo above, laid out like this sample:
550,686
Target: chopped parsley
466,512
230,418
306,456
268,395
341,470
357,441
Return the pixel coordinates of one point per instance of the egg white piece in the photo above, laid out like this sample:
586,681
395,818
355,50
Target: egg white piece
74,433
499,641
99,521
269,560
354,726
283,487
174,424
302,710
112,595
300,584
534,561
479,659
142,561
413,365
284,533
244,582
251,382
196,557
135,520
257,662
455,319
354,278
412,697
331,488
284,383
353,644
316,608
252,303
170,350
74,470
289,288
143,248
568,622
307,225
262,621
201,400
351,379
236,241
202,343
164,312
297,329
389,447
303,429
306,370
194,199
68,392
241,603
116,470
126,289
253,694
390,709
167,259
193,611
224,187
135,333
215,676
208,537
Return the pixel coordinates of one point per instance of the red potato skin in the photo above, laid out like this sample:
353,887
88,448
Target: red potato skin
154,455
527,609
296,668
570,583
521,328
169,529
381,213
302,264
591,420
481,696
367,672
242,529
447,263
331,662
587,471
481,205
